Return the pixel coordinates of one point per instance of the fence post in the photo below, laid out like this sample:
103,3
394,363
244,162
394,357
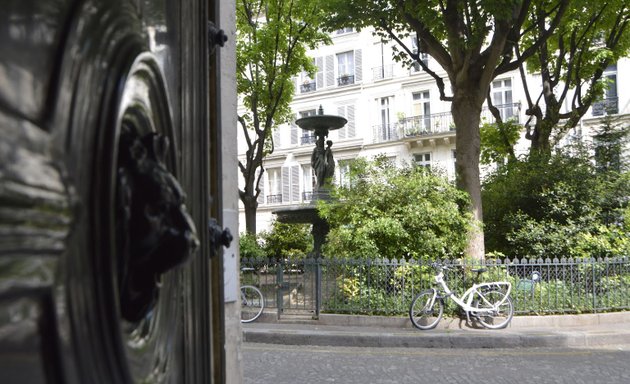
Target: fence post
594,290
318,287
279,287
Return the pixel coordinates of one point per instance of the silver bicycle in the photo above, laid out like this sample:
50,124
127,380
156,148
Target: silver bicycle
488,303
252,303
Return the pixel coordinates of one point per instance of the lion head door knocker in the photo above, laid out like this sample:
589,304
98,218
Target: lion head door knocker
154,229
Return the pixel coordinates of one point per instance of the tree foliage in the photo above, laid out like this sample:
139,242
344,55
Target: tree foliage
561,206
250,246
473,41
272,39
611,140
571,64
287,240
394,212
498,140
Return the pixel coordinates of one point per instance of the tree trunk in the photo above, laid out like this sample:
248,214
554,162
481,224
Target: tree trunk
541,139
466,110
251,206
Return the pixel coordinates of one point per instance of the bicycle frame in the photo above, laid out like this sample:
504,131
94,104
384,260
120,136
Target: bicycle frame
465,301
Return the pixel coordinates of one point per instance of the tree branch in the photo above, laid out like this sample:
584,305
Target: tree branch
416,56
560,9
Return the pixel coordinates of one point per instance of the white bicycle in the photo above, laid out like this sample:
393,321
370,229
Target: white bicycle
252,303
489,303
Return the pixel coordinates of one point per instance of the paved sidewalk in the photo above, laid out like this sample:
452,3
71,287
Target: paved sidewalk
574,331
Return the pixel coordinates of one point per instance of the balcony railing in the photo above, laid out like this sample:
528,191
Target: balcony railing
386,132
308,87
308,139
434,124
507,112
345,80
609,106
274,199
307,195
426,125
385,72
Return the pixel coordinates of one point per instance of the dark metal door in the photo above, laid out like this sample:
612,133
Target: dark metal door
105,178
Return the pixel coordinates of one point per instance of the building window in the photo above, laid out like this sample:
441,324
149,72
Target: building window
307,84
385,130
291,184
345,68
502,98
348,130
423,160
309,181
424,57
609,104
386,68
344,173
307,137
421,121
343,31
274,177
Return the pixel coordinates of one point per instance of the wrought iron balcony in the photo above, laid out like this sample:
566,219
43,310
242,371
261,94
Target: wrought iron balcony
307,195
608,106
308,87
308,139
507,112
386,132
426,125
274,199
435,123
345,80
384,72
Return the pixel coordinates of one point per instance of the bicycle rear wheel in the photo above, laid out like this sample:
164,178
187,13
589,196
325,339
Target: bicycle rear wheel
425,312
252,303
494,319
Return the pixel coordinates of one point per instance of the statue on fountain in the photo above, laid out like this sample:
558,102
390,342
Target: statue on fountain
323,163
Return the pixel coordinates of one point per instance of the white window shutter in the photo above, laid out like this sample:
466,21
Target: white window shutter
276,137
261,185
296,84
319,76
286,185
358,66
341,111
294,131
295,183
350,131
330,70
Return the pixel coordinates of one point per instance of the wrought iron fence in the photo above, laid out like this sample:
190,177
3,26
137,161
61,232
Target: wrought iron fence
386,287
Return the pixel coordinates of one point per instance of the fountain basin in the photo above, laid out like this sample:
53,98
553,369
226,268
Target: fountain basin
321,122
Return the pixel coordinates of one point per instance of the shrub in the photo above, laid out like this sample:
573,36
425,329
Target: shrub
250,247
395,212
287,240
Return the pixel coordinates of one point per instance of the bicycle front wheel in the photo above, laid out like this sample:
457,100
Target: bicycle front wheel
494,319
252,303
426,311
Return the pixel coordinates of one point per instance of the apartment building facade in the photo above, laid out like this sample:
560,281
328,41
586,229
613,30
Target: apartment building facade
391,110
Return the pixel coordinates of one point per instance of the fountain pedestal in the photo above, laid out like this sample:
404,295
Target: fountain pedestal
323,165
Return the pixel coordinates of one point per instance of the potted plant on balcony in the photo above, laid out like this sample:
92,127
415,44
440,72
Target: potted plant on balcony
308,85
344,79
412,128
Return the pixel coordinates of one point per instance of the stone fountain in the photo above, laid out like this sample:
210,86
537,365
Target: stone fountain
323,165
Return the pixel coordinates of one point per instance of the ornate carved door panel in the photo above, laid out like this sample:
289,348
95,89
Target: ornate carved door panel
105,178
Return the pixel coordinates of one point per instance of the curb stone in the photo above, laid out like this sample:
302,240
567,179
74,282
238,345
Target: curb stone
571,331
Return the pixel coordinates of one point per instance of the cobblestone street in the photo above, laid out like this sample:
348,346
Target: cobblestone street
280,364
